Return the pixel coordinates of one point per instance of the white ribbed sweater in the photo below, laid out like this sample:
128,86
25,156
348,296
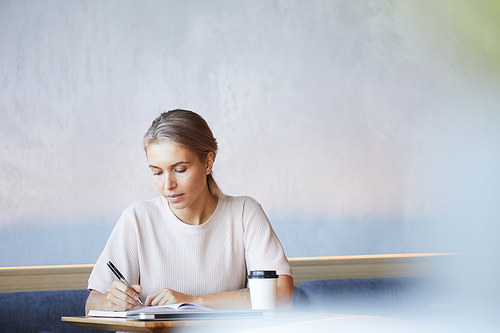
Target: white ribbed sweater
153,248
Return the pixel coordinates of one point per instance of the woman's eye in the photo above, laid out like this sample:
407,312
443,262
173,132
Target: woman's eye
157,173
181,170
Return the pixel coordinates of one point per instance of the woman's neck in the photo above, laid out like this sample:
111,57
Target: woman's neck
199,211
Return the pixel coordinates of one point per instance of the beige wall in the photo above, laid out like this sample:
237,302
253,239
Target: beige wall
362,127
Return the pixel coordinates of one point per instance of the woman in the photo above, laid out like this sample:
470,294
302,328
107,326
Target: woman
193,243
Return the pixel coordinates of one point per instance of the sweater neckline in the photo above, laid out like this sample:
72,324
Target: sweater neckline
174,220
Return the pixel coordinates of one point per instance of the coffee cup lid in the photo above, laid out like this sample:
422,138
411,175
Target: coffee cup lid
263,275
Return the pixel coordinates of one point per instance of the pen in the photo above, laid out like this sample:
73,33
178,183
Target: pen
122,279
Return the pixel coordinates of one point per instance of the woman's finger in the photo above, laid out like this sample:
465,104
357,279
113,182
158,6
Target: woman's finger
150,298
160,297
120,296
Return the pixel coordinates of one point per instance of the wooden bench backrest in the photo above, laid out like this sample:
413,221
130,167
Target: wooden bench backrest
63,277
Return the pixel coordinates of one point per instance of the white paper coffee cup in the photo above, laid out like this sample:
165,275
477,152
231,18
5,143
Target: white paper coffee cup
262,286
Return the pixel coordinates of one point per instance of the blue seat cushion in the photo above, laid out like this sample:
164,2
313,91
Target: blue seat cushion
41,311
371,295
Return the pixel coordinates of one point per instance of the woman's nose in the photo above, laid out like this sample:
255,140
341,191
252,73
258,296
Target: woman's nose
170,182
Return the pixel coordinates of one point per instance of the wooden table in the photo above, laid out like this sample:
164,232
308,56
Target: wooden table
277,323
122,324
170,326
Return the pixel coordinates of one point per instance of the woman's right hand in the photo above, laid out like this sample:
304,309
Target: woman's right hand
120,297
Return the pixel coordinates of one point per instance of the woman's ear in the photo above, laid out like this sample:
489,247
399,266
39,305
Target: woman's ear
209,163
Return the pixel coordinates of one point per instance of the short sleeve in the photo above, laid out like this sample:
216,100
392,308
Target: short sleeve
122,250
263,250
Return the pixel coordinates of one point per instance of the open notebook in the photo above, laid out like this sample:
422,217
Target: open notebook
179,311
148,309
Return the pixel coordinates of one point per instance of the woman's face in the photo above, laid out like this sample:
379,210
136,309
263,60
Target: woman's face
178,174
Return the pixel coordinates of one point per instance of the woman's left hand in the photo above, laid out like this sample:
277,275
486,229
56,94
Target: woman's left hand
167,296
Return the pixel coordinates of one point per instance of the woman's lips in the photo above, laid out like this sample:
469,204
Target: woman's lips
174,198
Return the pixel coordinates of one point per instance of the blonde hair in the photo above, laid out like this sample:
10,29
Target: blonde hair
190,130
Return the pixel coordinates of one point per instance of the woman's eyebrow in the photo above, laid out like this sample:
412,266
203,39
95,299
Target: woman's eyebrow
176,164
173,165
